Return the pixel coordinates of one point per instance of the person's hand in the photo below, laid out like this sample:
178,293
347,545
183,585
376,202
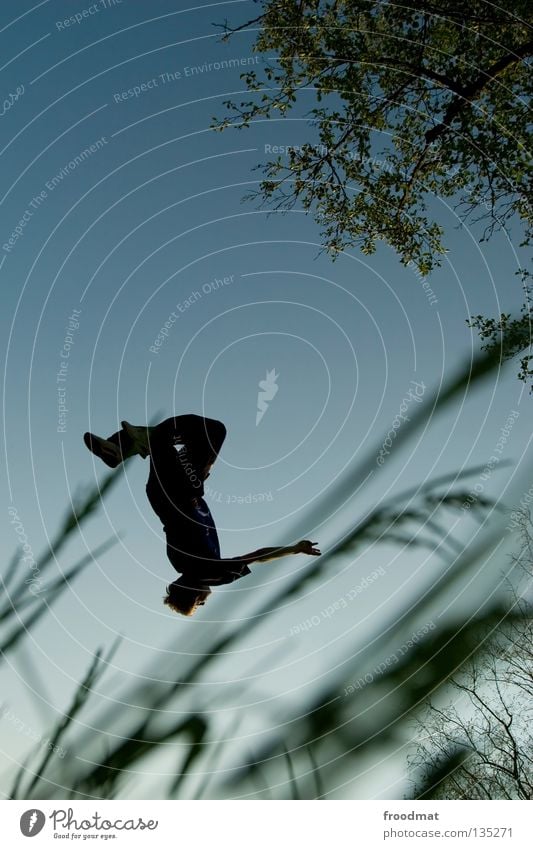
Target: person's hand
305,546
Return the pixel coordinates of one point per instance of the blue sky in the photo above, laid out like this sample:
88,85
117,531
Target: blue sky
125,236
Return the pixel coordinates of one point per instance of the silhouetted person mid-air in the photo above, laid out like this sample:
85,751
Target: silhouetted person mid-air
175,491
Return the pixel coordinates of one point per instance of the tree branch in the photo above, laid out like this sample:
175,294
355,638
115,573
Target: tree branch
469,92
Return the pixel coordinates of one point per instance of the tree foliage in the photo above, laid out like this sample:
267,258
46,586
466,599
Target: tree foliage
509,335
409,102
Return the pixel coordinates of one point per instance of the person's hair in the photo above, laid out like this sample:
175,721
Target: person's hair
182,598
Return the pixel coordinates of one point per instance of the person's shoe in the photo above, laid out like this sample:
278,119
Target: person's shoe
106,451
139,437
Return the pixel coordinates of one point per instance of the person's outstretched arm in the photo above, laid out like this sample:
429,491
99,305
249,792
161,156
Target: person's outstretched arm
262,555
228,569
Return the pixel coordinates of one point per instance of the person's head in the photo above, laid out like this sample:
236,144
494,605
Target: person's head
184,599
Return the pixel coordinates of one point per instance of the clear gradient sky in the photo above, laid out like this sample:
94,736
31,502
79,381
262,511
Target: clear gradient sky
149,223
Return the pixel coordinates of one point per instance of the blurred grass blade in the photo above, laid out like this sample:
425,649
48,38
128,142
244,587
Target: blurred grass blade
213,759
54,592
292,776
10,571
80,511
80,697
30,597
156,700
14,794
320,792
337,495
136,746
425,668
197,731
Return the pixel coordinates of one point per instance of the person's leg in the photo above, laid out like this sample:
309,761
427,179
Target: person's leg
120,445
108,452
181,473
123,442
132,439
201,437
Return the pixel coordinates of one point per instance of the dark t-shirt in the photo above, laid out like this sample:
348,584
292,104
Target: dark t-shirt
192,540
